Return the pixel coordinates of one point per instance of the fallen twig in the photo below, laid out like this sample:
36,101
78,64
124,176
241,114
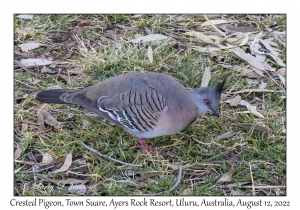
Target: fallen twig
172,188
258,90
263,187
105,156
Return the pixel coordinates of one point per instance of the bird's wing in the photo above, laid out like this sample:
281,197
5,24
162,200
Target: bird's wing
138,108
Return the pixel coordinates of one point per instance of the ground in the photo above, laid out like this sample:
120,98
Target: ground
80,50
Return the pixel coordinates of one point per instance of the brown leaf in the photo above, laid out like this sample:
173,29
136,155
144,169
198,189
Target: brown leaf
70,43
18,152
41,119
29,122
239,29
148,176
49,119
24,127
113,33
85,22
59,36
67,163
226,135
281,71
227,177
235,101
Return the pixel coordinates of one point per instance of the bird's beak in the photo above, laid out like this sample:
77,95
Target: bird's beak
215,112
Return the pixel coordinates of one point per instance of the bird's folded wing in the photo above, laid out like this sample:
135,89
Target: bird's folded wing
137,109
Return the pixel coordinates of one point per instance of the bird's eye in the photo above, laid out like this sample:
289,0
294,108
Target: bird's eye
207,102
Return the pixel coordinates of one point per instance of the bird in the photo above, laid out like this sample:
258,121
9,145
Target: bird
145,105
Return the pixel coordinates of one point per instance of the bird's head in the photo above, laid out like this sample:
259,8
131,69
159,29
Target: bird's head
208,98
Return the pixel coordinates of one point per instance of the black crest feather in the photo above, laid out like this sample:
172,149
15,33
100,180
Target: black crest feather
220,86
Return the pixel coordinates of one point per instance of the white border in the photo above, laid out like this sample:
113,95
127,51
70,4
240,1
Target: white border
151,6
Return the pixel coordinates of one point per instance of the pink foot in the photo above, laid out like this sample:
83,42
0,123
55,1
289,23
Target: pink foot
147,147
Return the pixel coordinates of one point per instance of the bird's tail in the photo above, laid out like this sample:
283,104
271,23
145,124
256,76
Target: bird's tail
57,96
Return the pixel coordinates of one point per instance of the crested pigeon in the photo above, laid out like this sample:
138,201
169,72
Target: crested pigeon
145,105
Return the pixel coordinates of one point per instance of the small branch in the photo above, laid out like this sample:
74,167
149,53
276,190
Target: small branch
263,187
105,156
172,188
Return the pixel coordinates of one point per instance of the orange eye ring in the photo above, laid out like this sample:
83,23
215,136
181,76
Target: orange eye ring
207,102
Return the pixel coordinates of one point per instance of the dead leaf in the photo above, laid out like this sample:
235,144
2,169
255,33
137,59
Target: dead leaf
235,101
18,152
25,17
40,119
253,61
150,54
59,35
262,85
214,22
85,123
113,33
47,158
67,163
282,79
226,135
281,71
206,78
35,62
252,81
243,29
173,166
250,108
85,22
49,119
200,36
277,59
45,69
31,122
29,46
24,127
227,177
149,38
33,81
148,176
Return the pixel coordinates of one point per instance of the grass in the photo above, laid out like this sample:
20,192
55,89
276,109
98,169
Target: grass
204,159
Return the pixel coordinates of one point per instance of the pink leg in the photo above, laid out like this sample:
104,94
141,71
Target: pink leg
148,148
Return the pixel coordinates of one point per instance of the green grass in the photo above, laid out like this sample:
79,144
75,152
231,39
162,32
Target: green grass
195,148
